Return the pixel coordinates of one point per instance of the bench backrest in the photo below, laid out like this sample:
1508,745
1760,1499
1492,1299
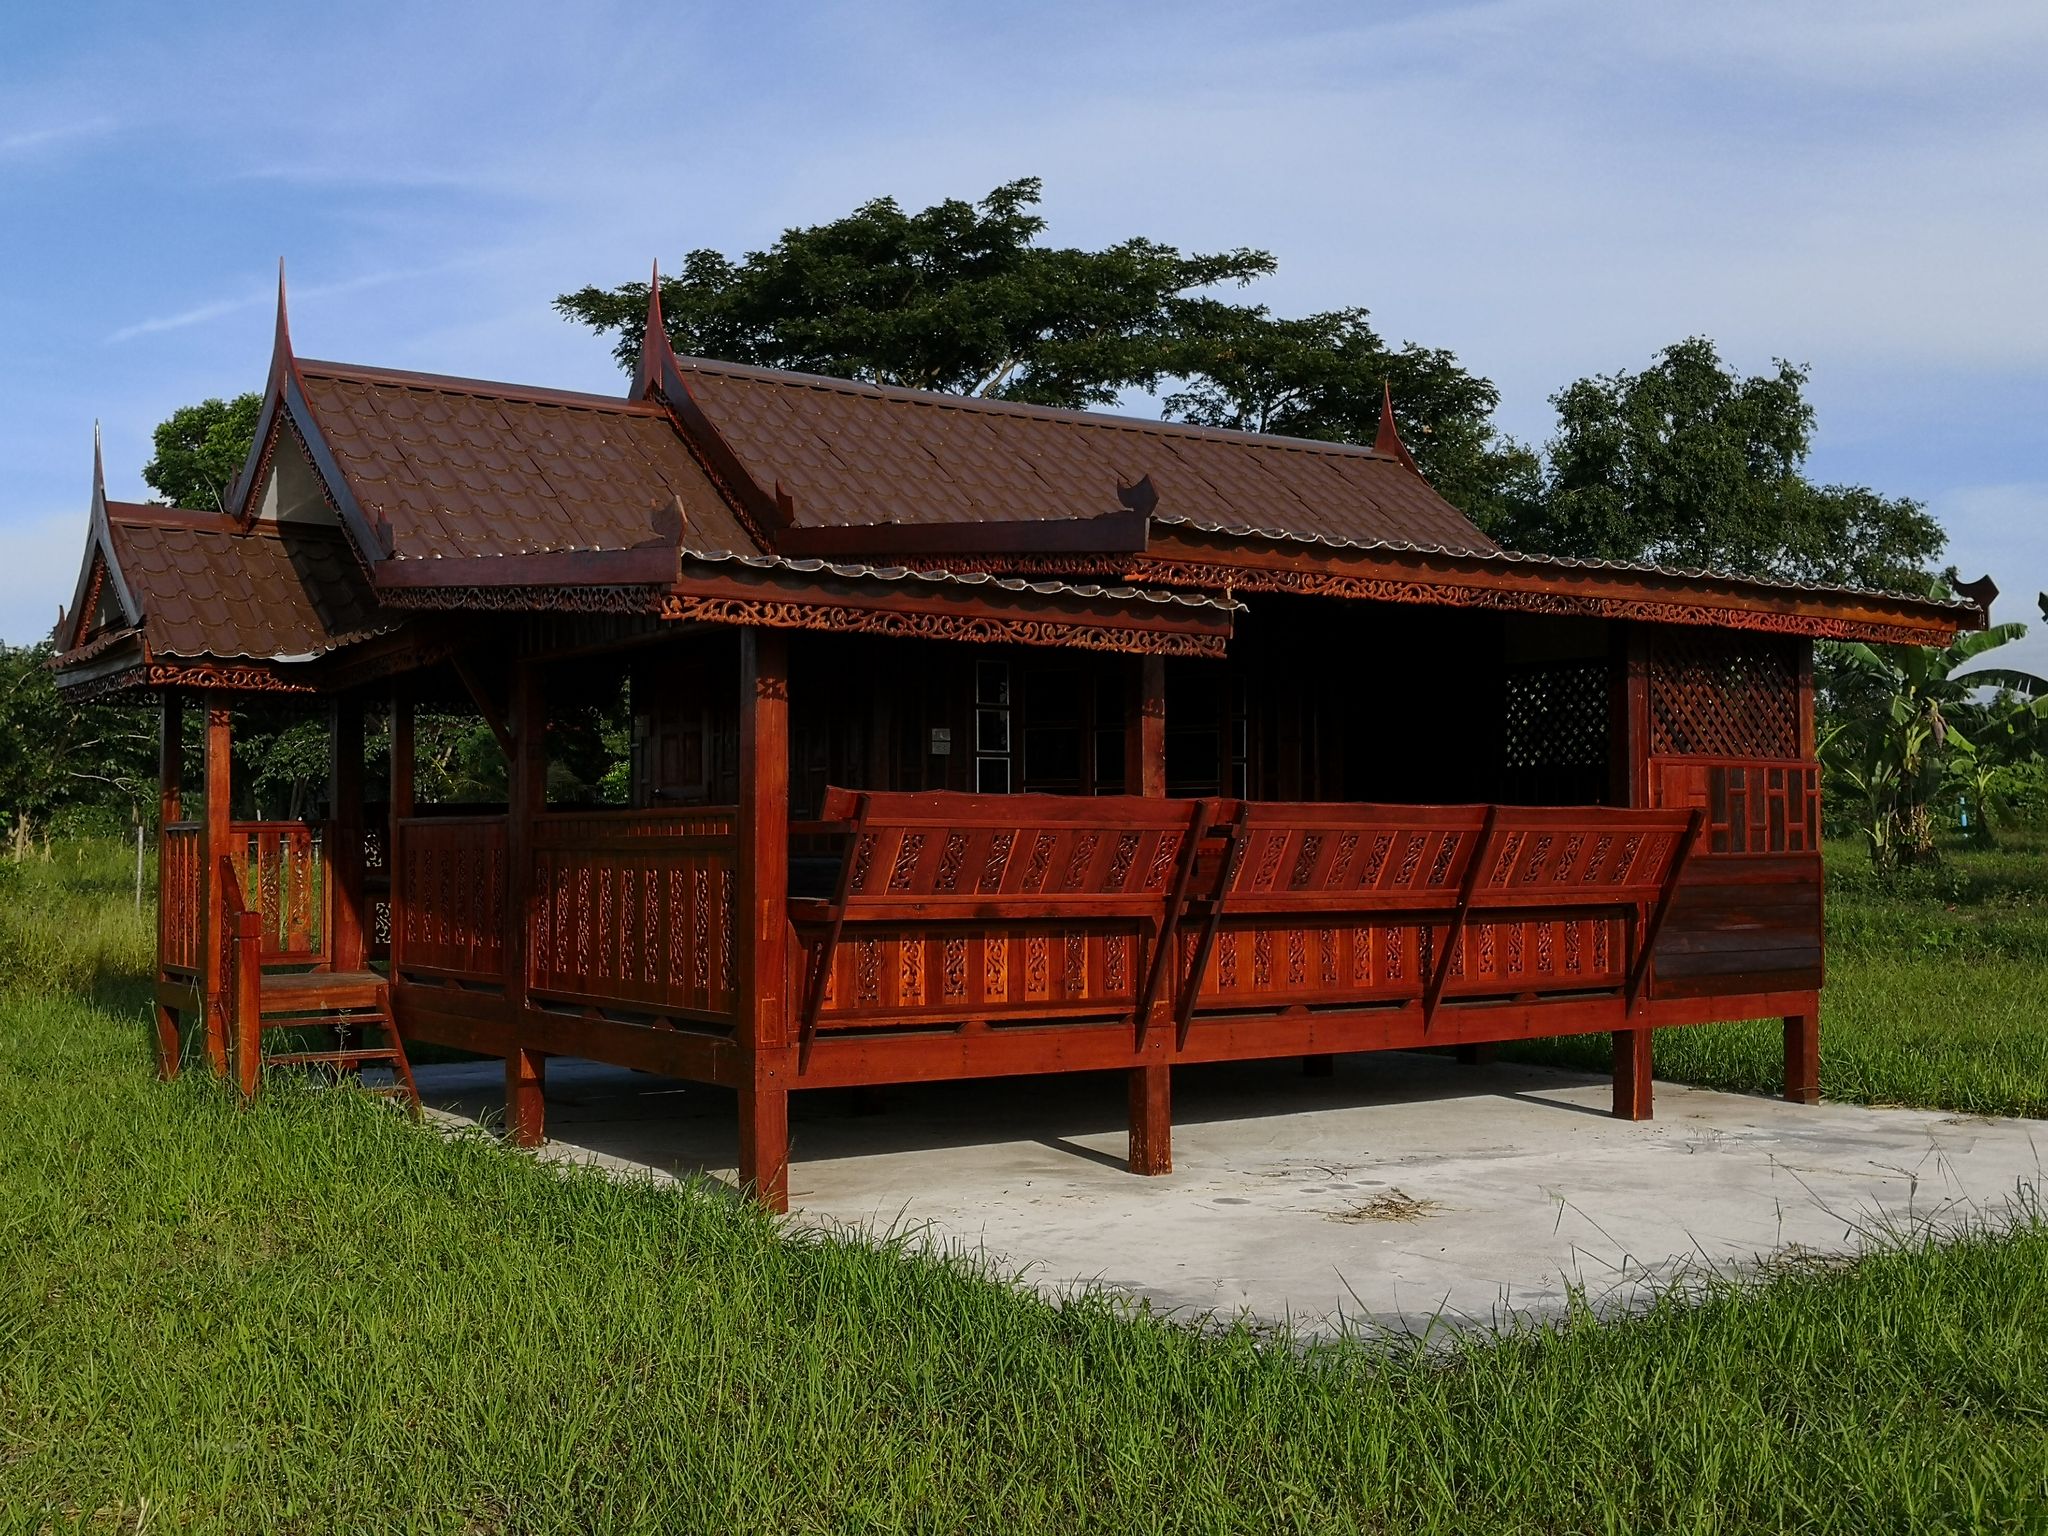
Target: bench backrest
967,856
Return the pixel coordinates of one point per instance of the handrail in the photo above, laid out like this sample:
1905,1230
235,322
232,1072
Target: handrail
241,939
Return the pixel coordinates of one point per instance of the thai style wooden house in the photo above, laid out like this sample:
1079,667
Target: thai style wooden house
968,739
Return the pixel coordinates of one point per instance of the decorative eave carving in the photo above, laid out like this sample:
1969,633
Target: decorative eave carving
772,613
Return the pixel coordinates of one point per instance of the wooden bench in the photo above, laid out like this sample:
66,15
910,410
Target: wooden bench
1318,906
979,910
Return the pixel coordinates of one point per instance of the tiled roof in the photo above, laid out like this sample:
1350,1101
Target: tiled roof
459,467
205,590
850,453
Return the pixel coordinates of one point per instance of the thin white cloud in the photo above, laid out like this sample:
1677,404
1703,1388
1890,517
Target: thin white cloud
214,309
30,141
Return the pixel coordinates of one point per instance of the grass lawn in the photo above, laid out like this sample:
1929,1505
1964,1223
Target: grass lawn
313,1316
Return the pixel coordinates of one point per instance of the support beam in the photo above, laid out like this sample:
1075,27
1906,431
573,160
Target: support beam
1151,1106
525,1114
345,915
1632,1074
1150,1088
1318,1066
215,844
761,916
1479,1054
1802,1055
526,796
402,770
170,778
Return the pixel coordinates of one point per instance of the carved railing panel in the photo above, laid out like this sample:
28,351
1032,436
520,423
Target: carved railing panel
284,877
179,894
634,910
451,887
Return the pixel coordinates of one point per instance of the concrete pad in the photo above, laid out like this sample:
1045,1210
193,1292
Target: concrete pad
1403,1187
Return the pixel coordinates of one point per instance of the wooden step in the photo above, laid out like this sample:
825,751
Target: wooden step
364,1054
322,992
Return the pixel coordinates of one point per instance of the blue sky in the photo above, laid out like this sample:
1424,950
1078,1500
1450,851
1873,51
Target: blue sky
1549,189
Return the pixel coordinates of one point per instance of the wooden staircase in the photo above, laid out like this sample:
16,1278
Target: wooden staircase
355,1004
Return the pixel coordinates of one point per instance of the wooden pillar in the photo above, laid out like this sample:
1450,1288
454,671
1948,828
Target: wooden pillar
215,843
1479,1054
1629,785
525,798
1150,1090
1802,1055
345,947
1632,1074
761,916
399,807
170,781
525,1102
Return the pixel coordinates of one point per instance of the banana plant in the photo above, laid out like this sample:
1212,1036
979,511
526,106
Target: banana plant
1908,747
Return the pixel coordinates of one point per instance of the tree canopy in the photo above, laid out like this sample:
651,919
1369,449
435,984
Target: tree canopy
1690,463
960,297
200,449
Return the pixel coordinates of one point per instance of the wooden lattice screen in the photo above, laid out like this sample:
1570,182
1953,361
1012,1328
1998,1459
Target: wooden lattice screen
1714,695
1556,721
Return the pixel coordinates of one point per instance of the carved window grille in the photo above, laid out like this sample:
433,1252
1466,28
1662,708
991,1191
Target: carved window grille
1557,719
1723,696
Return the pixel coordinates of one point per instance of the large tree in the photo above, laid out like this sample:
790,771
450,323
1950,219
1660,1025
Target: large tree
200,449
960,297
1325,376
1690,463
58,756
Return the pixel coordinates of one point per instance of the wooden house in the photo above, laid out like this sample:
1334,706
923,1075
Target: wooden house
969,739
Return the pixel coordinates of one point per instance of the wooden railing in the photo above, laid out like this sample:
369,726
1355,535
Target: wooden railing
1324,905
180,917
634,909
285,880
1007,908
450,880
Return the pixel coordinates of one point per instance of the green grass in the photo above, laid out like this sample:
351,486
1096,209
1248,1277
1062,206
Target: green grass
314,1316
1937,994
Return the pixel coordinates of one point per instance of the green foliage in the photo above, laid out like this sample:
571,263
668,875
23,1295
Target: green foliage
1322,376
1905,728
959,297
200,449
310,1315
1690,463
59,759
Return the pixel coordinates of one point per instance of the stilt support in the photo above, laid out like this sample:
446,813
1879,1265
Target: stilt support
525,1109
1478,1054
1632,1074
764,1144
169,1043
1802,1057
1151,1090
1319,1066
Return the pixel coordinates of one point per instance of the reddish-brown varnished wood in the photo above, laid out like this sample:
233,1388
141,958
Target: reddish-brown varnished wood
1632,1074
762,931
1150,1087
526,795
176,912
344,844
215,844
1802,1056
525,1120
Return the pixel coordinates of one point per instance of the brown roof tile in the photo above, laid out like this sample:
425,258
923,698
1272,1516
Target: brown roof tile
460,467
851,453
207,590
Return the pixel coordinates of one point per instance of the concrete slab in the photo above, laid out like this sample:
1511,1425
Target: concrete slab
1402,1187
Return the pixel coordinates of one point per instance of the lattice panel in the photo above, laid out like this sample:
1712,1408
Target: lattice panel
1557,717
1723,696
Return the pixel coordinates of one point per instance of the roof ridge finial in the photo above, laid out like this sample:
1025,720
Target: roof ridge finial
1387,439
284,323
655,349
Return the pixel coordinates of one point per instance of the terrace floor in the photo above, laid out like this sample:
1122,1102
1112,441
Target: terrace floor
1402,1186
